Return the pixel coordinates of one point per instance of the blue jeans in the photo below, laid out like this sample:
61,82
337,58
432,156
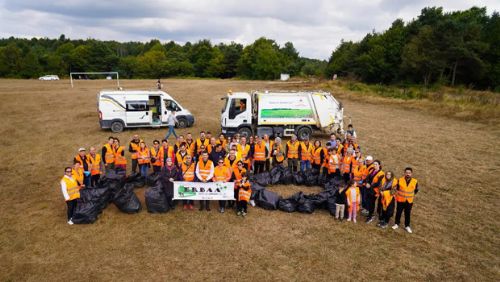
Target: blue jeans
171,130
304,165
144,169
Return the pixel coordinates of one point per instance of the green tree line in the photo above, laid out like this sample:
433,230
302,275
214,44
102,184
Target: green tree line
461,47
264,59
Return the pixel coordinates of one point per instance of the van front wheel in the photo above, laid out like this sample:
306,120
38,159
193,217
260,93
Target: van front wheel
117,126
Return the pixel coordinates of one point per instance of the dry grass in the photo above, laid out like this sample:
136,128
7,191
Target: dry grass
455,216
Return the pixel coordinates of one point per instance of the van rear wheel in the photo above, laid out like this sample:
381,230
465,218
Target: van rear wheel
245,131
117,126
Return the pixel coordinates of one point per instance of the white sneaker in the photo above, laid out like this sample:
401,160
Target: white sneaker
252,203
70,222
395,226
408,229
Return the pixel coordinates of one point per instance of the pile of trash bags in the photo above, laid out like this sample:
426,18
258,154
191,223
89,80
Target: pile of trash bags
114,187
300,202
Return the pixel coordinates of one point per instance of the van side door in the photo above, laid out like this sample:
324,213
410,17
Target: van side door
138,113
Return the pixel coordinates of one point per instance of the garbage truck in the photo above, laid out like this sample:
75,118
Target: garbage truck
281,113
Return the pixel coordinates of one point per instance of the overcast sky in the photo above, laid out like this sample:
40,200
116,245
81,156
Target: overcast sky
314,27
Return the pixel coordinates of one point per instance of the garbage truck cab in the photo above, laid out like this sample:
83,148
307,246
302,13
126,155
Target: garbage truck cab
119,109
281,113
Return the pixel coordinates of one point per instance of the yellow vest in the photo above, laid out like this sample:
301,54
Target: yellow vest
72,188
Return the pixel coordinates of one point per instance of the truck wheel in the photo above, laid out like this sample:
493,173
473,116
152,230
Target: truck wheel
245,131
304,132
117,126
182,123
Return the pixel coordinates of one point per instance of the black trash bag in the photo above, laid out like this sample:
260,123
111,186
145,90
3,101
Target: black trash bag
98,195
256,187
310,179
262,179
298,198
298,178
132,177
276,173
322,179
314,171
287,205
156,201
126,200
86,212
306,207
287,177
153,179
136,179
318,200
334,183
267,199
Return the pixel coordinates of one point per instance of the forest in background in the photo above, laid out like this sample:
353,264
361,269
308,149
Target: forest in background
454,48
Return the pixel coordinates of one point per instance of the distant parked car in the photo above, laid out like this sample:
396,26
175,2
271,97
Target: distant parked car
49,77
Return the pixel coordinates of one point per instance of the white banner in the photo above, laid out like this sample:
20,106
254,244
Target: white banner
203,191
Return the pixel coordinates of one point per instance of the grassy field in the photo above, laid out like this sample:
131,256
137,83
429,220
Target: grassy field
455,216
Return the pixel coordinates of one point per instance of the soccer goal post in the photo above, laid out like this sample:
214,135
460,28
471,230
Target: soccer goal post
109,75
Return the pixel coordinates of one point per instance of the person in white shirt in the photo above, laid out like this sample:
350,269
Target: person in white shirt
171,122
71,192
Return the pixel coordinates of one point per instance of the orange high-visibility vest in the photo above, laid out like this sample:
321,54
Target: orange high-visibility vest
368,170
380,174
144,157
233,165
333,163
293,150
260,152
119,159
188,172
358,173
317,155
245,192
79,159
237,175
222,173
77,175
109,158
205,142
346,164
190,147
95,164
169,154
204,169
406,192
348,198
135,148
72,188
157,156
180,157
306,151
223,143
386,198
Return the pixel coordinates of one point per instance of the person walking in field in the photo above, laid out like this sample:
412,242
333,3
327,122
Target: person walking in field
71,192
353,199
406,190
171,122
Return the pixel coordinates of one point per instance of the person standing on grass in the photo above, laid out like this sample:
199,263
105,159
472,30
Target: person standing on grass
277,153
406,190
187,174
385,205
260,153
71,192
353,200
292,153
108,152
156,161
169,174
204,173
81,157
222,173
144,158
95,163
133,148
171,122
244,194
374,181
340,202
120,160
306,151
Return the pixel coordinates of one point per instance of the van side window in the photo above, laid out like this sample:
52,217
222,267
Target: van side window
171,106
137,106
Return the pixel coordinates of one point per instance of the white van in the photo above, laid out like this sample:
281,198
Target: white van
119,109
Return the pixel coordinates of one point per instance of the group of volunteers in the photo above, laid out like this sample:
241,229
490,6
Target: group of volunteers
219,159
